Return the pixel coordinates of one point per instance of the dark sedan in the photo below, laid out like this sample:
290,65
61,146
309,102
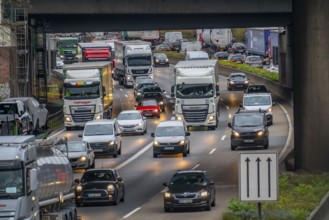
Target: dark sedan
222,55
237,81
100,186
189,189
160,59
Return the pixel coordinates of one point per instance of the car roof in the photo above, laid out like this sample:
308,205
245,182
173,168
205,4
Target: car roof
237,74
249,112
101,121
171,123
257,94
191,171
99,169
129,111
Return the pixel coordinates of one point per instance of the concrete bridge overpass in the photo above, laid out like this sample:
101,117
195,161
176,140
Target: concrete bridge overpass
307,26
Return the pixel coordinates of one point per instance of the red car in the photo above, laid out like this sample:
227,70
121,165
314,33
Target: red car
149,108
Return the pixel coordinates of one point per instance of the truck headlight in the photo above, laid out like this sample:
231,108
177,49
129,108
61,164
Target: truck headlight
156,144
110,187
211,118
269,110
98,117
78,189
157,60
260,133
246,82
167,60
204,194
181,143
161,103
68,119
128,77
236,134
83,159
111,143
167,195
179,118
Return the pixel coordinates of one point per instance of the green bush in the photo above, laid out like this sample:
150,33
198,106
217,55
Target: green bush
172,54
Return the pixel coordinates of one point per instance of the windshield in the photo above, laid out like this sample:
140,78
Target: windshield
148,103
141,60
254,59
8,109
160,56
143,80
97,176
188,179
144,84
73,147
248,120
101,129
81,92
194,91
238,77
129,116
11,183
257,100
68,43
170,131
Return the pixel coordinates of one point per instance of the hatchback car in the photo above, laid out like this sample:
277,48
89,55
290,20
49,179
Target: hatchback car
131,122
171,137
59,63
80,154
149,108
239,48
222,55
237,81
160,59
103,136
100,186
249,128
255,61
237,58
189,189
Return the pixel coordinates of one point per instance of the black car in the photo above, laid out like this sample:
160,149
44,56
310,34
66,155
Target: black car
237,81
140,83
238,48
160,59
249,128
222,55
189,189
100,186
154,92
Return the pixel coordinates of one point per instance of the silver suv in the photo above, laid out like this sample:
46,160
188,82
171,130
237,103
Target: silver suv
103,136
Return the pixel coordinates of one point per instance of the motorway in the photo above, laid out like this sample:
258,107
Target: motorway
143,175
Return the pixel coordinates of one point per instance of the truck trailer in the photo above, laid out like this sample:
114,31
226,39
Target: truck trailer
220,38
88,93
196,93
95,51
132,59
36,180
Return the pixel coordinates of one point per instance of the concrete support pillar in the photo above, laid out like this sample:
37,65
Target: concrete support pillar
311,84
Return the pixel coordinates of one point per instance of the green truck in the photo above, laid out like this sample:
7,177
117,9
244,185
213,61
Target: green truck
68,49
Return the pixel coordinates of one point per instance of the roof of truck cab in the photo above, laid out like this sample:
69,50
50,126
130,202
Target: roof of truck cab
196,63
17,139
86,65
94,45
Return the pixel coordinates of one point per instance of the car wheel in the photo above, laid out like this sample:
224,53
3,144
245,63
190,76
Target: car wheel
119,150
116,201
155,155
188,150
266,145
68,128
79,204
233,147
145,131
166,209
158,116
208,207
213,204
93,165
185,153
228,88
115,155
123,195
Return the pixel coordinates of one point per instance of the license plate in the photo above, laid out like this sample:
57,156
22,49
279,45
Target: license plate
94,195
98,150
147,114
128,129
185,201
248,141
169,148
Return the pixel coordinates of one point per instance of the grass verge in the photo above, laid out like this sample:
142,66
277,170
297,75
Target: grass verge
299,194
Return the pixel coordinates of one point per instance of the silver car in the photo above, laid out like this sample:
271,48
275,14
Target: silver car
132,121
255,61
80,154
104,137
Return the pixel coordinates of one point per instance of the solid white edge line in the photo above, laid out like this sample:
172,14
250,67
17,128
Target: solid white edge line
132,212
289,132
48,138
196,166
134,157
212,151
224,136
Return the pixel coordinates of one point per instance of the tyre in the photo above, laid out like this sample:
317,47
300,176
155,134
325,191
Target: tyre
158,116
184,153
208,207
213,204
188,150
155,155
119,150
123,195
266,145
115,155
37,127
166,209
116,201
79,204
233,147
93,165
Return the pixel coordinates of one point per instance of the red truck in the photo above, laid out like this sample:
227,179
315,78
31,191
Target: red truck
95,51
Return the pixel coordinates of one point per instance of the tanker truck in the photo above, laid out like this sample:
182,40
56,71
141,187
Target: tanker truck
218,38
36,180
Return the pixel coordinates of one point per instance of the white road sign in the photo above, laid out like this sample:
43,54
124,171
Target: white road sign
258,177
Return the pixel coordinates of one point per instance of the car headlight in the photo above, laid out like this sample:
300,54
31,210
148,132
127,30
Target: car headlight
167,60
139,124
83,159
111,143
231,82
167,195
211,118
236,134
128,77
110,187
156,110
246,82
161,103
98,117
78,189
181,142
68,119
157,60
155,143
260,133
179,118
269,110
204,194
61,56
138,93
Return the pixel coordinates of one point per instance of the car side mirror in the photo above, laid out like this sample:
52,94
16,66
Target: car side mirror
163,90
217,93
34,181
165,184
80,135
135,105
152,135
273,103
268,123
120,179
229,125
187,134
21,112
77,181
118,134
211,183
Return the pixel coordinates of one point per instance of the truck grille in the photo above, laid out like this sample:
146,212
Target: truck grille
82,113
68,52
195,113
138,72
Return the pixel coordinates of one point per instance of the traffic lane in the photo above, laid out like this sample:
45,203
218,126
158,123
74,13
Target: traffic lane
145,175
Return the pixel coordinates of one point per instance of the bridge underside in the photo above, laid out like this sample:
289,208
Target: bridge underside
123,22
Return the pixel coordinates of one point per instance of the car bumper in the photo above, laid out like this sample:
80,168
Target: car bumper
151,114
249,141
169,149
186,203
162,64
104,150
131,130
95,196
238,86
79,165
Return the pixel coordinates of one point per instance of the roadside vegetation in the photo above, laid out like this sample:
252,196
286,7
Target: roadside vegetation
299,194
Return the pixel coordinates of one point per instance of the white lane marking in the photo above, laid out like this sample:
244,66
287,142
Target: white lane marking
134,157
224,136
230,116
121,89
126,95
228,108
132,212
196,166
54,135
289,132
212,151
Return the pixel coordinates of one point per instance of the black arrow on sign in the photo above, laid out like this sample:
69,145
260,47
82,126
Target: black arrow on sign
269,176
247,161
258,176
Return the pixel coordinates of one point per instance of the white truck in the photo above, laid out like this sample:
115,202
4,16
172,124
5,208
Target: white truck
36,180
132,59
88,93
196,93
172,37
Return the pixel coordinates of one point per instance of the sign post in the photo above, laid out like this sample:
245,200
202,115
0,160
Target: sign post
258,177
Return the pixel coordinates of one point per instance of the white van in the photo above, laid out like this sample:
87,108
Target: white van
196,55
